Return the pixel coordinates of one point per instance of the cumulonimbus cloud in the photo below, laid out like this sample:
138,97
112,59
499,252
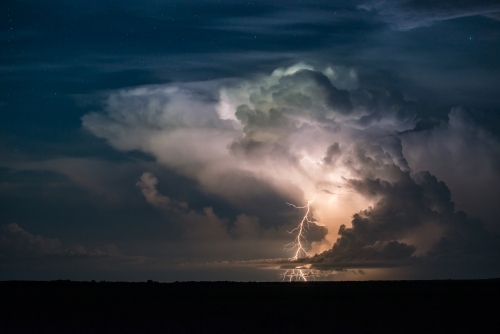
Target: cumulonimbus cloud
301,134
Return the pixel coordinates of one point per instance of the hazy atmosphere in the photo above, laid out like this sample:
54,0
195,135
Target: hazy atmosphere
244,140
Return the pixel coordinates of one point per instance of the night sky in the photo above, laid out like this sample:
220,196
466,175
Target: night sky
182,140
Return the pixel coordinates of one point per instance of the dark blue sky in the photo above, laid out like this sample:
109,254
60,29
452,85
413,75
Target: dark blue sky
70,199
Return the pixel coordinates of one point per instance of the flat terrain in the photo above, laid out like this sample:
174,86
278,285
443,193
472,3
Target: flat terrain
226,307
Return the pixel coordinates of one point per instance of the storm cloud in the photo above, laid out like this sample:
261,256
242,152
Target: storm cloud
465,156
294,131
194,133
412,221
17,244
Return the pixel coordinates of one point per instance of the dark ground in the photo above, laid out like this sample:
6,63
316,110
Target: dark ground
225,307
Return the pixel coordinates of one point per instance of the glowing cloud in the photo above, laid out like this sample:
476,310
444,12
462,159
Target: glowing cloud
298,133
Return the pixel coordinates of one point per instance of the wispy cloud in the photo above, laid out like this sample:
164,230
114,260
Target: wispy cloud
410,14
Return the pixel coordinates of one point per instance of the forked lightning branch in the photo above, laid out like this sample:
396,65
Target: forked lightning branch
297,245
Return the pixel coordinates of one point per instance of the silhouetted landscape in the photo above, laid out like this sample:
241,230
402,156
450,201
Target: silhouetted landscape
65,306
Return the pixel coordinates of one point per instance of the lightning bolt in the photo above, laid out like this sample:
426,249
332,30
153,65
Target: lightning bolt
299,274
300,229
312,160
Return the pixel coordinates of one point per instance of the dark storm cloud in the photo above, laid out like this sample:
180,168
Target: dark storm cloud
273,110
383,106
332,153
316,232
412,223
466,156
413,220
16,242
401,207
410,14
197,225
